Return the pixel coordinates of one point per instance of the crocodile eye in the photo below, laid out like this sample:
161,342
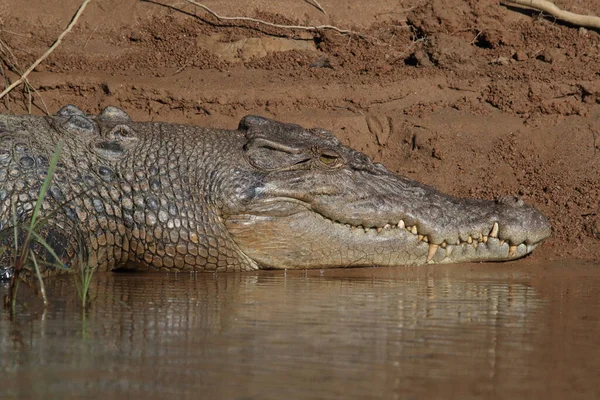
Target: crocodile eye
328,159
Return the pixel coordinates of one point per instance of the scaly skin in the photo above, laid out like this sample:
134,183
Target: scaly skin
267,195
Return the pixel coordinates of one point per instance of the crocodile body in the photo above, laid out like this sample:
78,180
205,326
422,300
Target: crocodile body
170,197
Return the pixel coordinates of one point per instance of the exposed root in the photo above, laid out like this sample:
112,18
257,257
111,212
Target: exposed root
589,21
23,77
259,21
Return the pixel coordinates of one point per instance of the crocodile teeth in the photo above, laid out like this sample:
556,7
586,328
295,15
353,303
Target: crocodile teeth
469,240
432,249
387,226
449,251
512,250
401,224
413,230
420,237
443,245
484,239
494,231
379,230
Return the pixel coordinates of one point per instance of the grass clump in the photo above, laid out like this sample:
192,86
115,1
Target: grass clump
24,256
83,278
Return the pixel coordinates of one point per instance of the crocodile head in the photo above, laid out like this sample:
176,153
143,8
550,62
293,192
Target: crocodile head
303,200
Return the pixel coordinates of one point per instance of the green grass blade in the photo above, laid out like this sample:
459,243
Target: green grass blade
39,276
47,183
41,241
47,216
15,232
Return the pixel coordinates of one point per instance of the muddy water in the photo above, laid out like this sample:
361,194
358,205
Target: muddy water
500,330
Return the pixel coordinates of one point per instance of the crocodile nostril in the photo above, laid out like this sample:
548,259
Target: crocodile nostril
77,124
69,110
114,114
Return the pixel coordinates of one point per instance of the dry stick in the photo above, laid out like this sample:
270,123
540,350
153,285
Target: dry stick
306,28
29,96
319,7
589,21
6,82
411,45
47,53
41,98
12,64
89,37
316,4
15,33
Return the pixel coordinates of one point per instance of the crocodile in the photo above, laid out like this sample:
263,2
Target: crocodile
271,195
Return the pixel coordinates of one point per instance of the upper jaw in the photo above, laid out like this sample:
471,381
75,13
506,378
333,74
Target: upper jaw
369,200
475,221
449,221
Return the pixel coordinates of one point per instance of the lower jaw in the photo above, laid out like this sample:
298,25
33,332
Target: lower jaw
493,250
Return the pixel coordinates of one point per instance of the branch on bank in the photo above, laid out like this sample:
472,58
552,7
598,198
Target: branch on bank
260,21
588,21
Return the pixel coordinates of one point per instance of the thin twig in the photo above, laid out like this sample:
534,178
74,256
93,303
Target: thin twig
29,96
10,56
6,82
317,5
248,19
15,33
476,36
590,21
47,53
41,98
188,62
411,45
89,37
10,61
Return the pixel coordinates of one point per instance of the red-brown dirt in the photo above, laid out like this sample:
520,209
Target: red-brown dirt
472,97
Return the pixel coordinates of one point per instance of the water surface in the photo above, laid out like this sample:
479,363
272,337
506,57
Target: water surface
513,330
